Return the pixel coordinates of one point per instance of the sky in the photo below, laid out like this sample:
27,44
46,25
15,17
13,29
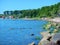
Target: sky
24,4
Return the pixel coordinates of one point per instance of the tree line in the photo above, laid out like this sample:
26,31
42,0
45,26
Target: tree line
46,11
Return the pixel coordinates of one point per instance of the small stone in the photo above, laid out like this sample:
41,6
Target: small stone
33,43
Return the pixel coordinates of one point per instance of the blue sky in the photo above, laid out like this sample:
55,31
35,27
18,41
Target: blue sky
24,4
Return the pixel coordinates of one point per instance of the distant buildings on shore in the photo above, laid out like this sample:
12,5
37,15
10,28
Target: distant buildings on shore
8,17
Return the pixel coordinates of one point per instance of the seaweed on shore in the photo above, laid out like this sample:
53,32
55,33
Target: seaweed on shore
52,27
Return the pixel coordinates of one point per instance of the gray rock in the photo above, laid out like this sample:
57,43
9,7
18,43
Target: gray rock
51,43
56,37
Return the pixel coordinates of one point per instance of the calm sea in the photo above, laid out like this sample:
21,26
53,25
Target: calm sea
20,32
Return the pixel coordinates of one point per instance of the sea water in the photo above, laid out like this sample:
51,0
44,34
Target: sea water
20,32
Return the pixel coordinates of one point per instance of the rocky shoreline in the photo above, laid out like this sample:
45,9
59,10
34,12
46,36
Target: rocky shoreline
50,37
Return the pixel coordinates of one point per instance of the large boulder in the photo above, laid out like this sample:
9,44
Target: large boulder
44,40
55,40
51,43
56,37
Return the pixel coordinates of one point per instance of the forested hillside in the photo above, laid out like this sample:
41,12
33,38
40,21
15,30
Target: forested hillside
46,11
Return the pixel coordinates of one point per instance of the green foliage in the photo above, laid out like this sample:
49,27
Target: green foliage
47,11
